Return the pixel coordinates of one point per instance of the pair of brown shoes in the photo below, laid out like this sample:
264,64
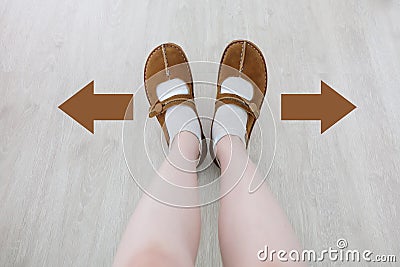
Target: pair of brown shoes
240,58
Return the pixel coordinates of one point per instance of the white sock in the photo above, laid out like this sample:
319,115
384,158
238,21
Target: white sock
178,118
229,118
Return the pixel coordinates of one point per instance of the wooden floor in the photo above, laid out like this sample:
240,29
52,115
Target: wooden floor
66,195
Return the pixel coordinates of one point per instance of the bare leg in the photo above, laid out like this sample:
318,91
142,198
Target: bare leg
249,222
161,235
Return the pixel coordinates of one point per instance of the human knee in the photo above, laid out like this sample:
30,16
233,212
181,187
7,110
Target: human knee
228,145
186,145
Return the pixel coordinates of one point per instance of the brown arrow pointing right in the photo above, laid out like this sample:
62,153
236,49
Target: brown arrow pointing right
85,107
328,107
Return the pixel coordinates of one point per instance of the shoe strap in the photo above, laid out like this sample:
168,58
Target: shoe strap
160,107
250,107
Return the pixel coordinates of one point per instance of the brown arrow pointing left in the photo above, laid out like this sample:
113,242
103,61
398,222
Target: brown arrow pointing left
85,107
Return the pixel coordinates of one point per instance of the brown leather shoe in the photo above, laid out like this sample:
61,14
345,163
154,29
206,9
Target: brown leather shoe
166,62
244,59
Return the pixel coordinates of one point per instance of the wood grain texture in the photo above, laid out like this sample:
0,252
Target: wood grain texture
66,195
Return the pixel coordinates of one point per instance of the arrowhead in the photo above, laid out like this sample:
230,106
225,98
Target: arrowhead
334,107
79,107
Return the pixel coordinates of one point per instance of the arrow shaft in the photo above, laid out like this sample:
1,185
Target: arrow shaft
112,107
301,107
